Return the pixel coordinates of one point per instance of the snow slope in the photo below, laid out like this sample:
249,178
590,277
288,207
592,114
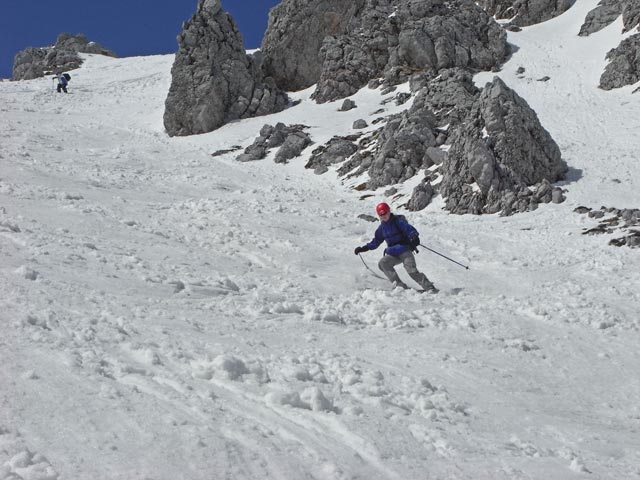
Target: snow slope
167,314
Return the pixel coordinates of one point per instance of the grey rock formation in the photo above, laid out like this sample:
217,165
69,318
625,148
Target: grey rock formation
63,56
523,13
450,94
80,43
501,158
625,221
343,45
402,147
608,11
421,196
213,80
295,34
409,141
395,39
336,151
291,139
624,64
347,105
293,146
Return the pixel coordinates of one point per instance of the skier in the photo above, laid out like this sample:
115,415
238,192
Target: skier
401,239
63,80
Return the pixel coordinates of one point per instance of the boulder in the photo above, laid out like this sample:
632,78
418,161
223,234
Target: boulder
347,105
421,196
290,138
214,81
337,150
293,146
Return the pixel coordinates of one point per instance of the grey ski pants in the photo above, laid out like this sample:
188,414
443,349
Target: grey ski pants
388,262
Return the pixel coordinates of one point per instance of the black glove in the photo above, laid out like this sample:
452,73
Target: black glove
359,250
414,242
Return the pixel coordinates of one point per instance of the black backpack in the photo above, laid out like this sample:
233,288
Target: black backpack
67,76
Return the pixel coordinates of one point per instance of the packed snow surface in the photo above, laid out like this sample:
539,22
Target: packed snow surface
169,314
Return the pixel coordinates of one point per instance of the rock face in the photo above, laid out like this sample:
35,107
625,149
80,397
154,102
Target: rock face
624,61
608,11
355,42
397,39
295,34
497,154
523,13
624,64
213,80
63,56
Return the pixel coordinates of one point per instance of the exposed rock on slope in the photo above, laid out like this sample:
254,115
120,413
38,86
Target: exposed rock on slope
624,64
63,56
497,154
295,34
526,12
608,11
291,141
392,39
213,80
624,61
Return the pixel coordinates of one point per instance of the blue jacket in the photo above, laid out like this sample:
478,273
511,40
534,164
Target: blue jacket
396,232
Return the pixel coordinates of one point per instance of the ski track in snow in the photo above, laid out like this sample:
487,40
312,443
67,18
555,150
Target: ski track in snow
167,314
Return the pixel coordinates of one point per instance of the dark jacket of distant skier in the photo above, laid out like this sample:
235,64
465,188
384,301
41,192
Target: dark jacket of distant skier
63,81
402,240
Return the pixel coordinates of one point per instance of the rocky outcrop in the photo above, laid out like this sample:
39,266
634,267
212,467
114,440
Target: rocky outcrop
337,150
63,56
624,61
501,158
523,13
294,35
290,140
395,40
450,95
409,142
214,81
483,150
608,11
624,64
625,222
347,44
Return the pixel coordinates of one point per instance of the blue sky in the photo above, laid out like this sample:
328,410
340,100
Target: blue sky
128,27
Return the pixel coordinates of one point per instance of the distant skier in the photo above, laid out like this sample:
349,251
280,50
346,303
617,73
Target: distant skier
401,239
63,81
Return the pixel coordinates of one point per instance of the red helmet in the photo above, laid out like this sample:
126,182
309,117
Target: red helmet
382,209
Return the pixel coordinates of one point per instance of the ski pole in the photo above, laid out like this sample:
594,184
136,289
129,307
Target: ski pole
451,260
367,267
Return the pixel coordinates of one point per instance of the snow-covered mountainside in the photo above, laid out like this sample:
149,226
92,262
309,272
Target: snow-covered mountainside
169,314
